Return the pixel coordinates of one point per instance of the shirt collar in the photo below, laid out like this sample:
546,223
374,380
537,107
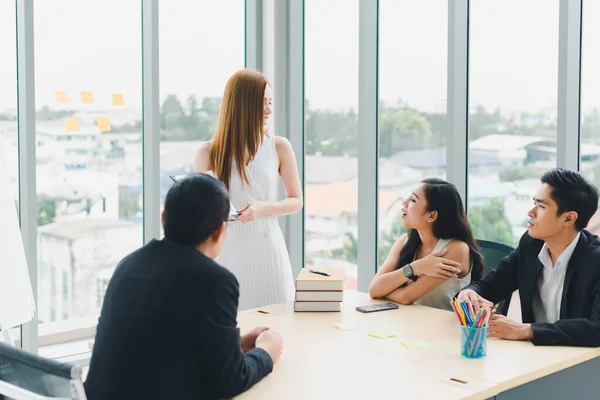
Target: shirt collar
563,259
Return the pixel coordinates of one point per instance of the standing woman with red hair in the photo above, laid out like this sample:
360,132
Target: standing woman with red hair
251,161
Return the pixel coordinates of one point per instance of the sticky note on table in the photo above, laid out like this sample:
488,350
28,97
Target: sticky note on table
117,99
72,124
61,97
87,97
103,124
415,344
345,326
382,334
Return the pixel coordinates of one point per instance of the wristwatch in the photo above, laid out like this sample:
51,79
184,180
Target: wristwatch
409,273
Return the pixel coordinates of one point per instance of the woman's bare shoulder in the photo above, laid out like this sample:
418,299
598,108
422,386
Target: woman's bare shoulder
202,158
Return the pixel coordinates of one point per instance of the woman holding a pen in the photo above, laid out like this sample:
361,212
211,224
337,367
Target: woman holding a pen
252,161
437,257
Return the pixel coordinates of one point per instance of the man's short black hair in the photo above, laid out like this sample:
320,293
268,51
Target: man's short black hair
572,192
194,208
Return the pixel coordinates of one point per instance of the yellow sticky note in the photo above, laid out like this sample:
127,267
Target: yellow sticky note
117,99
103,124
345,326
61,97
87,97
382,334
72,124
415,344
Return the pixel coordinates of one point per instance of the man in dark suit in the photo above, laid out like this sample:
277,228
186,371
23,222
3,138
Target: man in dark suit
167,329
556,268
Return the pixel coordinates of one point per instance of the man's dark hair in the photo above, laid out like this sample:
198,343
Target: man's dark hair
194,208
572,192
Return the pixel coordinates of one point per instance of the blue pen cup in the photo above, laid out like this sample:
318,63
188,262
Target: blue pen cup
473,341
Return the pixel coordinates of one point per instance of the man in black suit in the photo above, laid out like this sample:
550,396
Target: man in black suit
556,269
167,329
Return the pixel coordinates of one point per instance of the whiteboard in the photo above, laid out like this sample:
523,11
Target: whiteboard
16,296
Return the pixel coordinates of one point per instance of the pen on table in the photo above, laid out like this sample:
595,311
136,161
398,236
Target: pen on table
319,272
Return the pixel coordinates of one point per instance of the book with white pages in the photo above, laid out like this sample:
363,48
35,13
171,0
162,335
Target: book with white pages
233,212
302,295
321,279
333,306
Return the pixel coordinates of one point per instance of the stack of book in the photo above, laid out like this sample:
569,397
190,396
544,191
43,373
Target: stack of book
319,289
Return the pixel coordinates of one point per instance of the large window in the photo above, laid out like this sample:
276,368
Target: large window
8,95
201,46
9,143
331,129
590,99
513,108
412,106
88,62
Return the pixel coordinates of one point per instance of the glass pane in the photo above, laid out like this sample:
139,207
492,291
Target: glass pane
513,107
8,95
201,45
9,141
413,39
331,129
89,167
590,100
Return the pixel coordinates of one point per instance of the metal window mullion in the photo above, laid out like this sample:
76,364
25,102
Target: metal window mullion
27,157
295,129
569,87
150,120
457,97
368,145
253,34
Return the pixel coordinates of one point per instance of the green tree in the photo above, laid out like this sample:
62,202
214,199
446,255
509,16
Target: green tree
332,132
127,128
403,128
517,172
192,122
46,211
590,128
7,117
489,222
47,114
388,239
171,115
482,123
350,250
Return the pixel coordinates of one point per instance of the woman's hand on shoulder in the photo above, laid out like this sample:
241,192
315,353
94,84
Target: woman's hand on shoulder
202,157
436,266
460,252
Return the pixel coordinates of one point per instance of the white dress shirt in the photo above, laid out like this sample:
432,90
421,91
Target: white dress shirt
547,299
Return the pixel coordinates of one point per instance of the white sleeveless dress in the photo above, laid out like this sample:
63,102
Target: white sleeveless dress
440,296
255,252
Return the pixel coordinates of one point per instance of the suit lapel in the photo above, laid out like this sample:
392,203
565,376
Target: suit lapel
571,267
530,286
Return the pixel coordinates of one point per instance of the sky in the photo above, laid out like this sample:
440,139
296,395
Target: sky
96,46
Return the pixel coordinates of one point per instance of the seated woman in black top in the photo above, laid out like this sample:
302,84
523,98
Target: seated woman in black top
168,324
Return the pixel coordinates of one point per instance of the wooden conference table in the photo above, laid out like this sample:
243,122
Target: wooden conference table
322,361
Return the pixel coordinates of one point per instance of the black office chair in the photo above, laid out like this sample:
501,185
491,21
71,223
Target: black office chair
493,253
26,376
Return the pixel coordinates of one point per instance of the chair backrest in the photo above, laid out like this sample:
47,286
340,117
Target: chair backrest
493,253
26,376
